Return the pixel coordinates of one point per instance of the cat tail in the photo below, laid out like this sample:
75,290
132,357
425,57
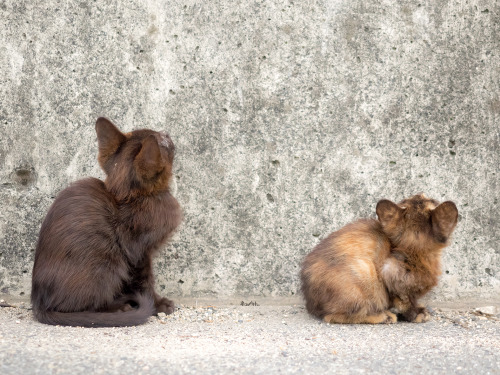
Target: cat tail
92,319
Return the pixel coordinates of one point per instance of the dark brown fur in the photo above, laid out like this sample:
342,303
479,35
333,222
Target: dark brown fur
93,261
358,273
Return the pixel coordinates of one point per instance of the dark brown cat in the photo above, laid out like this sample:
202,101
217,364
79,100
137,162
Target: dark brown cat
93,261
358,273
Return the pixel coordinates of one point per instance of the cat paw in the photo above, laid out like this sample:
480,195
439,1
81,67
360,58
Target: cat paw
422,316
165,305
391,318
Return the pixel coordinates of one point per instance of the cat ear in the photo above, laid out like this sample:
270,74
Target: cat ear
444,219
149,162
388,212
109,138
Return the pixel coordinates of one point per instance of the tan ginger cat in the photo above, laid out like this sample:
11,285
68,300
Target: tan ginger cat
358,273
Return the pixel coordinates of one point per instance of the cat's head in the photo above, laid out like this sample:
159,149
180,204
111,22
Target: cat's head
137,163
418,222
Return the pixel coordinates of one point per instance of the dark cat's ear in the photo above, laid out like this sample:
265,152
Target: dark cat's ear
444,219
388,212
109,138
149,162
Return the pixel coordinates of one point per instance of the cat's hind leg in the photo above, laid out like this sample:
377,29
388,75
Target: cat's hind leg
385,317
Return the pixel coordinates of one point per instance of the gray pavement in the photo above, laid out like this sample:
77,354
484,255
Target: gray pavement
277,336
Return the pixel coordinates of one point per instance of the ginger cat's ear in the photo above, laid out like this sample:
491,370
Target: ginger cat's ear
389,213
109,138
148,161
444,219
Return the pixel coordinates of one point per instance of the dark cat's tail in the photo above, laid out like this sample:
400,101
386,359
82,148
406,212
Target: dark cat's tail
133,317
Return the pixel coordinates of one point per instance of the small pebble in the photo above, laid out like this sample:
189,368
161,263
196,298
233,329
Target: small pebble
207,314
487,310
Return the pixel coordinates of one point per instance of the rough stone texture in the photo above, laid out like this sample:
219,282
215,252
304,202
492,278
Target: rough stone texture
291,118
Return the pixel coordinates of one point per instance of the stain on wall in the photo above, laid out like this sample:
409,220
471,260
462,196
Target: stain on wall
290,119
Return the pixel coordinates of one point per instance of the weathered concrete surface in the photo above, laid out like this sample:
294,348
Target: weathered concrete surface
290,119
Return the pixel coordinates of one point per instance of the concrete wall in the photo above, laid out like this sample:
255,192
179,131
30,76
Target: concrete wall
291,118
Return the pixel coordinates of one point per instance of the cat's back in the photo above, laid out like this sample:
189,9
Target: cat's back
362,238
88,190
342,270
80,214
78,263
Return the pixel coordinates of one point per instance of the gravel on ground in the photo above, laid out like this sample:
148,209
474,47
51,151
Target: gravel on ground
254,336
